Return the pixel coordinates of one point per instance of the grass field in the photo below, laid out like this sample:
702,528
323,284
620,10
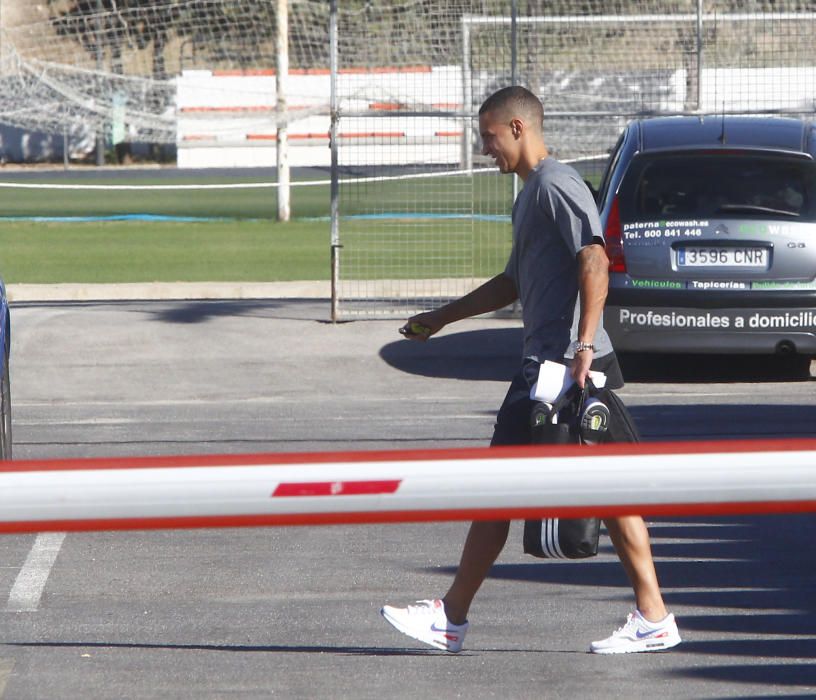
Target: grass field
243,242
232,203
240,251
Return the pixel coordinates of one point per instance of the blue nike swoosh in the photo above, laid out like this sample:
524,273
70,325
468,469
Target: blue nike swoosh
434,628
645,634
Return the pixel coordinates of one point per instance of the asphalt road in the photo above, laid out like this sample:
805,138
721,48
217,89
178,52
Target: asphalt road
293,613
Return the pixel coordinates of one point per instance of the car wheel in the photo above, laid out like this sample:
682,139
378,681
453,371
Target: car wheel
5,411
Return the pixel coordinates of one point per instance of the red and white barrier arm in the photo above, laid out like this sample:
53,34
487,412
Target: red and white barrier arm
401,486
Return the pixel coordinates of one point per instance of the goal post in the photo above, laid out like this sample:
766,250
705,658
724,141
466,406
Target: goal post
281,81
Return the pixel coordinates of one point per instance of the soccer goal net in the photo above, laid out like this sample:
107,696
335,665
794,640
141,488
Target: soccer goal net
133,68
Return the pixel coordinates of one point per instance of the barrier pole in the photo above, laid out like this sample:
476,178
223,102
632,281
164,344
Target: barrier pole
402,486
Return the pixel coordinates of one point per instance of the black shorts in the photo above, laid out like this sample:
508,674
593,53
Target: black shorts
513,420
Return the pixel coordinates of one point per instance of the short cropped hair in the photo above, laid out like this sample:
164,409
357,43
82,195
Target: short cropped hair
516,101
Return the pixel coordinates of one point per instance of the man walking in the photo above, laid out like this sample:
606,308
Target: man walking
559,271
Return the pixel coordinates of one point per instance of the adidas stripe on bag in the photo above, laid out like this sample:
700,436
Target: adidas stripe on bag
572,538
562,538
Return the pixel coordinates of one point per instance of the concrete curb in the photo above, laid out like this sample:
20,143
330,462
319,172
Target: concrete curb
310,289
155,291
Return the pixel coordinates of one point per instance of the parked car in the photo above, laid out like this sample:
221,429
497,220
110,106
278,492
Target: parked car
5,378
711,233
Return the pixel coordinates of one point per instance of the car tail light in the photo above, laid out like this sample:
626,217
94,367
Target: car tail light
614,239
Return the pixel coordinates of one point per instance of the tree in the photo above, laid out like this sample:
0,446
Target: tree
111,26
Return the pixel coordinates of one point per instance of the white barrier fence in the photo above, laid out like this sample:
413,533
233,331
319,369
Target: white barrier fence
428,485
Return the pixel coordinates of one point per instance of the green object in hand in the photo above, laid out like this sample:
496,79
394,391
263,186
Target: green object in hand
415,328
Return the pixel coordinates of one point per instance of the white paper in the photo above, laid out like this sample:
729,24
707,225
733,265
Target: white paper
554,379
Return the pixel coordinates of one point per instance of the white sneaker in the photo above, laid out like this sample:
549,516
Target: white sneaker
638,634
426,621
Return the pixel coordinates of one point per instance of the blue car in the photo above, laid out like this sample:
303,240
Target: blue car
711,233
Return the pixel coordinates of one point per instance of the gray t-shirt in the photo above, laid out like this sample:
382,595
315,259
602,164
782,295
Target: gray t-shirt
554,217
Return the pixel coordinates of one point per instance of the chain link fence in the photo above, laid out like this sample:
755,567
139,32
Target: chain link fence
420,215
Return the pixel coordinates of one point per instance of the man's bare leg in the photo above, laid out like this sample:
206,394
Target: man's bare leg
483,545
631,540
486,540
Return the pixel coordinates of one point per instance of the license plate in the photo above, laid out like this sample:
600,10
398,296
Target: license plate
722,257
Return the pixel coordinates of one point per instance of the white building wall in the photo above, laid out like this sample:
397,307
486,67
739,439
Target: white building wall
226,119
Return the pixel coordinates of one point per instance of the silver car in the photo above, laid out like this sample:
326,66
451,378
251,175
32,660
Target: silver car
711,234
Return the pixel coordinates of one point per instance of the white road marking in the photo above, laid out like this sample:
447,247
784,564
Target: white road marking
684,394
6,666
28,588
250,400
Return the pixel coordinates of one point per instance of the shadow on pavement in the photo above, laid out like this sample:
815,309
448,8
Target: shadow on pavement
719,421
189,312
772,675
494,355
242,648
742,587
485,355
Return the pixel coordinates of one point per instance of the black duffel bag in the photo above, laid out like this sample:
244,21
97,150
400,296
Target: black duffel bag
559,424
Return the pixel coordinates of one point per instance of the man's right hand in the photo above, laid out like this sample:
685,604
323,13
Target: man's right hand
497,292
422,326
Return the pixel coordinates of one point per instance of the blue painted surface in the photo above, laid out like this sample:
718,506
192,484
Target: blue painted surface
114,217
502,218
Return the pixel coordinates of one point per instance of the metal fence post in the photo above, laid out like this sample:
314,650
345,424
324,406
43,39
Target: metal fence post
335,175
699,55
467,98
514,70
100,133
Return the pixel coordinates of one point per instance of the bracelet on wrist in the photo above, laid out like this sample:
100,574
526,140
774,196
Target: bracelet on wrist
581,346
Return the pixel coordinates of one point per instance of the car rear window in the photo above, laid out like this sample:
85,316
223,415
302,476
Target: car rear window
703,185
